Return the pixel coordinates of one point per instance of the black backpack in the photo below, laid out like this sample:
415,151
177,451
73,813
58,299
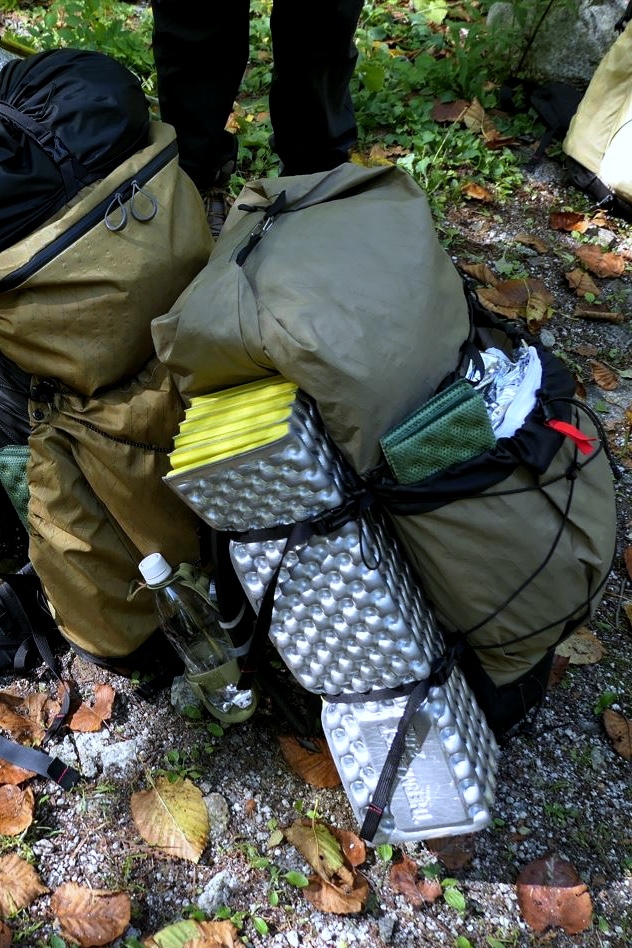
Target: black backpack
67,118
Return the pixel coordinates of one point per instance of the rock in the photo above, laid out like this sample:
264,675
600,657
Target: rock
89,750
121,757
568,44
386,928
218,813
219,891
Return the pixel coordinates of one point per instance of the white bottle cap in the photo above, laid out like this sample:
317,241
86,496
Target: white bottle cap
154,569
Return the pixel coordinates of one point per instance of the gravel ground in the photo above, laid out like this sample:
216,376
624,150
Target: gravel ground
561,789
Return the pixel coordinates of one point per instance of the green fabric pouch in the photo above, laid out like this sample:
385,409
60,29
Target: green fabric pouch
13,458
451,427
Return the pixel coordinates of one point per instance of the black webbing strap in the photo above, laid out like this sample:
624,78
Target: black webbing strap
40,763
297,534
48,142
440,671
27,757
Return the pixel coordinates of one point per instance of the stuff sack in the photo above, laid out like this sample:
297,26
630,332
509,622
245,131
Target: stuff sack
77,295
98,505
68,117
338,282
514,544
599,140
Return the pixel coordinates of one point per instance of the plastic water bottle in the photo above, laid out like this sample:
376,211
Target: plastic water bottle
191,623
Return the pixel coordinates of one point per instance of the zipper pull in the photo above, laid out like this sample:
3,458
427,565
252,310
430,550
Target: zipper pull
264,225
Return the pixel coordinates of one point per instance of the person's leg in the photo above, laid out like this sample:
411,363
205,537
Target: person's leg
201,51
310,105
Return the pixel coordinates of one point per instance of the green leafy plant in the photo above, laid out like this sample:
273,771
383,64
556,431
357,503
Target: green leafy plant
114,28
239,918
605,700
453,896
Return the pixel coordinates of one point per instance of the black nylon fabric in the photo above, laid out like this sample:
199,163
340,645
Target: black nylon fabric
14,396
91,103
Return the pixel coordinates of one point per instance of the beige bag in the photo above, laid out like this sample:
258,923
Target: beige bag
76,301
77,296
599,138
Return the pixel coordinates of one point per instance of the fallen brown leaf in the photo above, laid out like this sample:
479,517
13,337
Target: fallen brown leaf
16,810
338,900
528,240
191,934
581,648
568,221
90,916
551,893
604,376
403,877
477,193
608,264
353,848
26,718
173,817
627,559
454,852
333,854
317,844
599,219
619,730
17,722
581,282
517,298
537,311
19,884
480,272
476,119
449,111
313,764
627,608
558,670
597,314
220,934
9,773
5,936
586,349
91,717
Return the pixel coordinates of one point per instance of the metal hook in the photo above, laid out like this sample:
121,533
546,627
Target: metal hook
153,204
117,201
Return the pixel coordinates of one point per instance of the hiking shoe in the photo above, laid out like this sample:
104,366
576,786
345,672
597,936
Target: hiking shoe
216,205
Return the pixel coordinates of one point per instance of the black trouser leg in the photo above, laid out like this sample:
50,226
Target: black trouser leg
201,52
310,105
